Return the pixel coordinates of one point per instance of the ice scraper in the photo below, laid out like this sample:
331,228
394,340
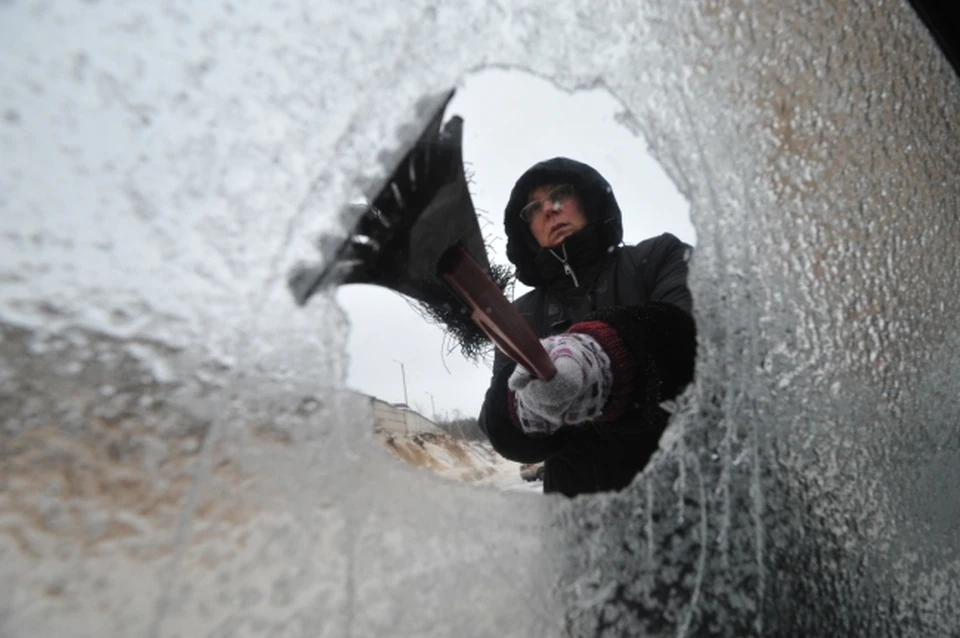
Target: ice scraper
419,236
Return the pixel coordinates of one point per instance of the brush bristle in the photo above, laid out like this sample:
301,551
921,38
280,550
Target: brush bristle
454,317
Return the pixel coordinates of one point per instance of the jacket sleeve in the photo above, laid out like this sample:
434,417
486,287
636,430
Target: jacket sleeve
652,348
501,428
665,272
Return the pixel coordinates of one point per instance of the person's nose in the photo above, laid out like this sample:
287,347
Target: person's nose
549,209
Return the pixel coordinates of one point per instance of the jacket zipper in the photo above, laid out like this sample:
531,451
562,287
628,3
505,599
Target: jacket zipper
566,267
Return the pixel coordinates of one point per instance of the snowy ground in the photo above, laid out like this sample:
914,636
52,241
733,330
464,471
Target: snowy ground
507,478
473,462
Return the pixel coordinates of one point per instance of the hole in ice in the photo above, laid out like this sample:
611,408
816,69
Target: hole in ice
426,395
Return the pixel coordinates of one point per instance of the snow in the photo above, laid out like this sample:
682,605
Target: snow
470,462
162,167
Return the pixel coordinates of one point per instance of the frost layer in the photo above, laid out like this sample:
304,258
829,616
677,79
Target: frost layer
176,458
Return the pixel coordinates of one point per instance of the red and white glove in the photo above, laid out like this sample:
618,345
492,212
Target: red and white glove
575,395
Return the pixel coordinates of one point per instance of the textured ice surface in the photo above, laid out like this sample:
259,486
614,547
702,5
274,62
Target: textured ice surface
175,459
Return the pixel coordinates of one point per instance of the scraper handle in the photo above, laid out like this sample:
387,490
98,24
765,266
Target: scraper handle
495,315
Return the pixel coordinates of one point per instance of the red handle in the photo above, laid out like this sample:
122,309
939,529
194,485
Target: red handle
495,315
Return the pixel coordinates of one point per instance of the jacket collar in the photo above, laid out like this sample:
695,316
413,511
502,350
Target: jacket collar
571,269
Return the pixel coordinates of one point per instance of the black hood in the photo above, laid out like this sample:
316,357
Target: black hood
600,206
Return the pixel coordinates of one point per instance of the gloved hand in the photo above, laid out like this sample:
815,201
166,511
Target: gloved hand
576,394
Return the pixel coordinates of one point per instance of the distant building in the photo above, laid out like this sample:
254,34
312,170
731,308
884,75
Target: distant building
398,417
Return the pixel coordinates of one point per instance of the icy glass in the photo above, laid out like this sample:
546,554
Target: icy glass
176,458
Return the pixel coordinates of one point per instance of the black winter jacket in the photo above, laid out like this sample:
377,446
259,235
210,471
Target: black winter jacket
641,293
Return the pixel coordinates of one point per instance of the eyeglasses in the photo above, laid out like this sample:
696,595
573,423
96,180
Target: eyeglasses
557,197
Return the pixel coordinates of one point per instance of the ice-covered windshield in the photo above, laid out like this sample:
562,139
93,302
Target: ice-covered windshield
177,457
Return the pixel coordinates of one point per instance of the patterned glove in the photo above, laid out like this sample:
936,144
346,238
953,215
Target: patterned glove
575,395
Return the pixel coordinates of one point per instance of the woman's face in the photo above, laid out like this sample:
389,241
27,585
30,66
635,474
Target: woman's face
554,213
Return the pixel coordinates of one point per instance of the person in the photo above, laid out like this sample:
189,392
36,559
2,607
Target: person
616,321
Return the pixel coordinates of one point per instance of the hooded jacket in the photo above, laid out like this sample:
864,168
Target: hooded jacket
633,300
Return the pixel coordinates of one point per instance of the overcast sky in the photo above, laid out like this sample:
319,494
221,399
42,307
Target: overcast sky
511,121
